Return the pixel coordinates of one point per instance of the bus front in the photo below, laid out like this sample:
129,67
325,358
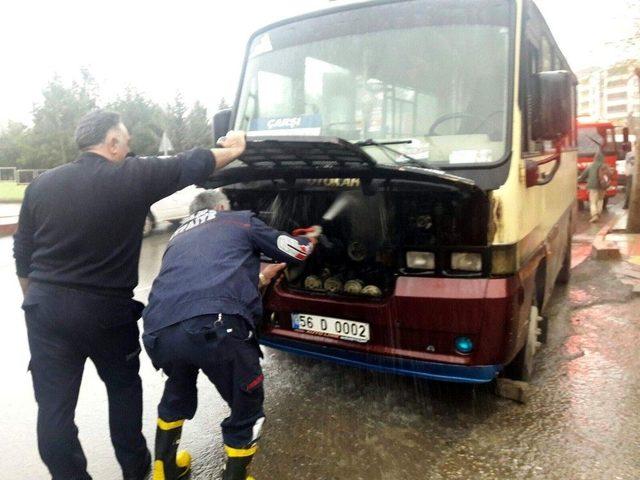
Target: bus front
388,123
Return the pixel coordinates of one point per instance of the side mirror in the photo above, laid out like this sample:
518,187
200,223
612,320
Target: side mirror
552,105
221,124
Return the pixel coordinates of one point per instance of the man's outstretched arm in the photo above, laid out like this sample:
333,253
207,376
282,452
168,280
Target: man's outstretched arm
232,145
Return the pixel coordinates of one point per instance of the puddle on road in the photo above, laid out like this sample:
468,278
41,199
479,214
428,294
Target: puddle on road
579,253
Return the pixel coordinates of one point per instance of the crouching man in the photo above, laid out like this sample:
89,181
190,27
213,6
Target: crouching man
202,315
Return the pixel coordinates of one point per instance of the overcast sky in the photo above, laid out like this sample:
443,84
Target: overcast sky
196,47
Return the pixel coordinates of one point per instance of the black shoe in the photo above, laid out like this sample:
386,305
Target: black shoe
143,472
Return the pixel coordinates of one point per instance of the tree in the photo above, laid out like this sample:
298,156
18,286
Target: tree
51,138
177,124
199,132
14,144
144,119
50,141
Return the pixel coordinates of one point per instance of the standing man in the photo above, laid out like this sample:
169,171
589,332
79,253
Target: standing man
202,314
77,249
598,179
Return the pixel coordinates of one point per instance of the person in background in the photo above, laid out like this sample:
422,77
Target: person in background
598,177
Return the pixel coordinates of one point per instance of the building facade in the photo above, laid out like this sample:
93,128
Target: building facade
610,94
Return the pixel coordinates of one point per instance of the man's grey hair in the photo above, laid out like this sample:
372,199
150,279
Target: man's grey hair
93,127
210,200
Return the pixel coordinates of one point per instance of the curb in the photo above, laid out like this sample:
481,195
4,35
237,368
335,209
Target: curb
603,249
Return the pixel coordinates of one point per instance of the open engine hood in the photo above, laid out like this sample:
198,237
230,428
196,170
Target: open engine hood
293,158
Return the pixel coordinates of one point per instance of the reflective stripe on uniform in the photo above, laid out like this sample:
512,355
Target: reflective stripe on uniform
293,248
241,452
169,425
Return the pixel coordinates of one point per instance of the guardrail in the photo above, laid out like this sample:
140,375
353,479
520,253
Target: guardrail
20,176
26,176
7,174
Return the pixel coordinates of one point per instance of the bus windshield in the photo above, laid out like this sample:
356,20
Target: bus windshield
433,73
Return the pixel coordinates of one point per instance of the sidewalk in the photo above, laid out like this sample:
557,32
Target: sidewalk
628,246
629,243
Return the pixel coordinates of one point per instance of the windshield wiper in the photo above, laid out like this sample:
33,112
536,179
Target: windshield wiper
384,145
371,141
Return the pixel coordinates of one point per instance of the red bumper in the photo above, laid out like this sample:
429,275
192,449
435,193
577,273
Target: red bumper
419,321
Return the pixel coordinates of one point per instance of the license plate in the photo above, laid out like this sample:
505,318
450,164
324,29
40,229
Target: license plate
331,327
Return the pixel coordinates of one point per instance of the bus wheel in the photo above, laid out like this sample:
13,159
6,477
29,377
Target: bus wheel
521,368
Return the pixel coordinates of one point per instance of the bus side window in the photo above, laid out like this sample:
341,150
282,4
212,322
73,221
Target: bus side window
540,53
531,61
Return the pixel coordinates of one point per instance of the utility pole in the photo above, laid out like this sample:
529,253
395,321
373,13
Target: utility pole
633,220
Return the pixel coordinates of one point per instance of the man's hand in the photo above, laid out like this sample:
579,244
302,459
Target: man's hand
270,272
233,139
232,145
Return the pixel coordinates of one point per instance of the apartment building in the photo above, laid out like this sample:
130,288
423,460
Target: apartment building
611,94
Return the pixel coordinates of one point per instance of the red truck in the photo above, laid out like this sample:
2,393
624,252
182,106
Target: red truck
604,134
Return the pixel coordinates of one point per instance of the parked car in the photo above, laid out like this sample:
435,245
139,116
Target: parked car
171,209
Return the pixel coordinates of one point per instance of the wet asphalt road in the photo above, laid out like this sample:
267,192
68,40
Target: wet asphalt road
330,422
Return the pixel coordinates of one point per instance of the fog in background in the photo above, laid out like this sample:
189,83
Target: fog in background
196,47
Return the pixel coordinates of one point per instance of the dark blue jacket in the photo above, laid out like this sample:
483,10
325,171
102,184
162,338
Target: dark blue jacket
211,265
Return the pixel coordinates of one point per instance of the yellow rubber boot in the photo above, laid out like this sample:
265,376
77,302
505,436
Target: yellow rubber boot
238,459
170,464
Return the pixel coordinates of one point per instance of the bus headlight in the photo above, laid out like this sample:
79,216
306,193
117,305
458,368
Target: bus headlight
466,262
421,260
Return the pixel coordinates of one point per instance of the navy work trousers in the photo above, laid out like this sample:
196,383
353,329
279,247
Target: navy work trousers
65,327
225,349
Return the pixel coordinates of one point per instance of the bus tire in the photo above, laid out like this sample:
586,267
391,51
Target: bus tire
521,367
